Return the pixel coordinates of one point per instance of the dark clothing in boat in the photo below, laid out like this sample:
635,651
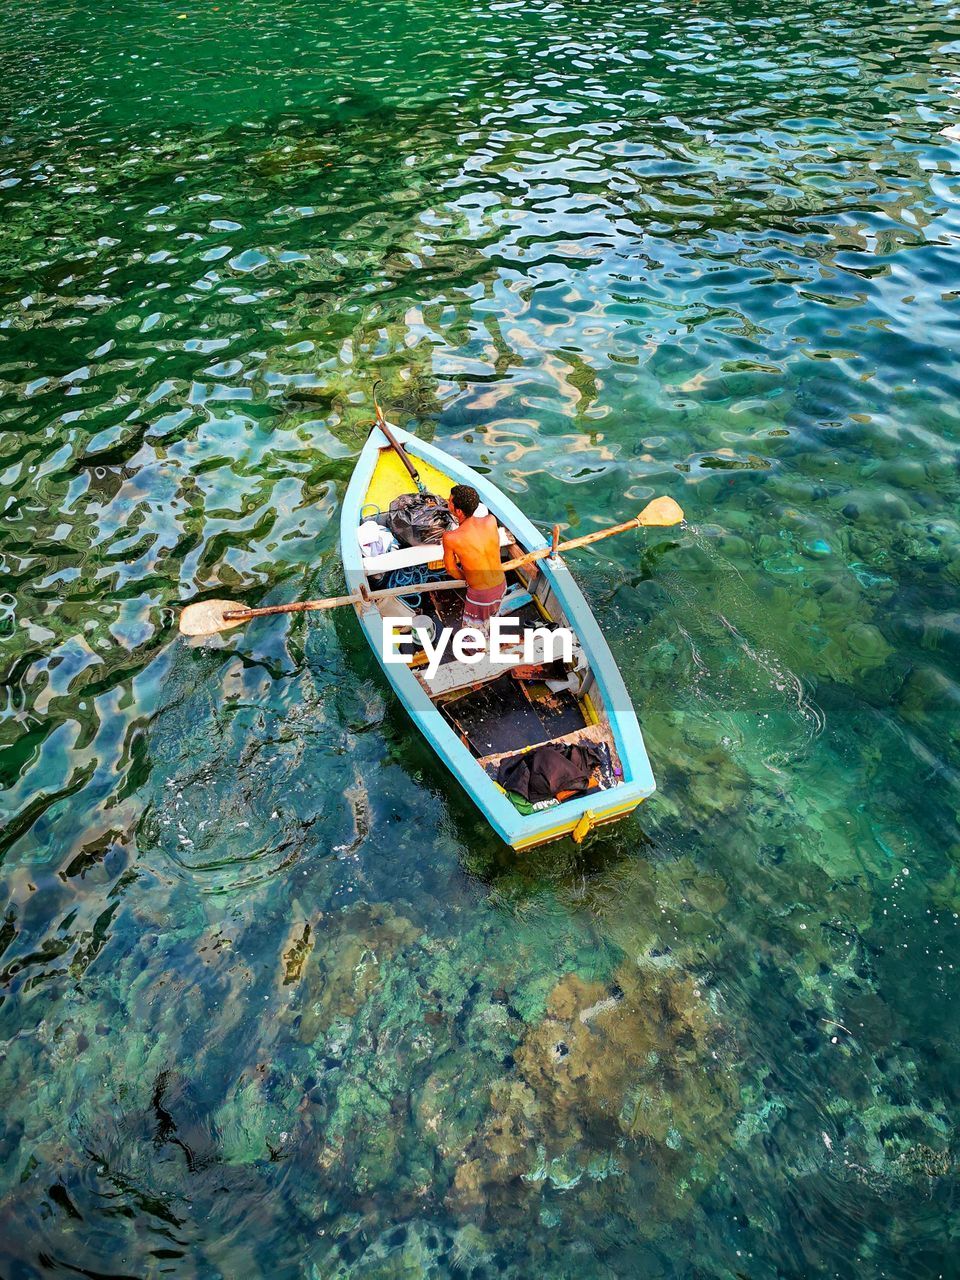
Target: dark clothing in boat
546,772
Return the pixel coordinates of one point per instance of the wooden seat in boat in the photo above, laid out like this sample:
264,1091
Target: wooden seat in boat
408,557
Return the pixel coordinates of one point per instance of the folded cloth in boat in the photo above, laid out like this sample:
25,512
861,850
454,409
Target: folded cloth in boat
545,772
374,539
524,806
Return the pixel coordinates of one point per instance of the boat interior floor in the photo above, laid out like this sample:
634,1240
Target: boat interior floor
507,714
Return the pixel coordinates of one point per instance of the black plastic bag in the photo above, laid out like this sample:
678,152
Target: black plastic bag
416,519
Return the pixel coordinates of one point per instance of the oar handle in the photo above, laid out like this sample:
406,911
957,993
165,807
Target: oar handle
334,602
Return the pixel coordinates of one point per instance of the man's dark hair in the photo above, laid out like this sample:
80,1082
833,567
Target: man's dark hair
465,498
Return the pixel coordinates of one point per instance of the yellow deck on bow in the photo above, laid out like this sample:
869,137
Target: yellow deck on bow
391,478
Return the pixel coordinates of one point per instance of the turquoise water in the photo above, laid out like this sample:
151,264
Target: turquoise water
274,1000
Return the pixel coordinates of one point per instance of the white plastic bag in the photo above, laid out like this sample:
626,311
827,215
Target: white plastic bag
374,539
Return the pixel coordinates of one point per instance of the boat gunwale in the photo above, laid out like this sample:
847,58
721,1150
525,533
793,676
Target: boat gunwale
513,827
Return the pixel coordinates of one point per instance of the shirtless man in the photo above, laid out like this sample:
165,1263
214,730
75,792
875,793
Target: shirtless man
472,551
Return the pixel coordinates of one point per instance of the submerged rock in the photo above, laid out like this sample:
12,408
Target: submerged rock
636,1063
344,967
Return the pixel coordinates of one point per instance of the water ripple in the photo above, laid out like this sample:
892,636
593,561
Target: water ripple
600,254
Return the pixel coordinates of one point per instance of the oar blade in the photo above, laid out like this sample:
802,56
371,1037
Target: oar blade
662,512
206,617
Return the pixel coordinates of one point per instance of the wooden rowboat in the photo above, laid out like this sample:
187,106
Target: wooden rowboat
477,715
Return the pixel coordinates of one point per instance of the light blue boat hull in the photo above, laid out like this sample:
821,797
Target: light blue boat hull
518,830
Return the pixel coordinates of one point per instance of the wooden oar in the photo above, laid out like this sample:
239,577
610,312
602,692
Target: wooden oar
660,513
207,617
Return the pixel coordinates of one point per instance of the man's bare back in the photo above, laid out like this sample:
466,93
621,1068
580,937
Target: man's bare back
472,551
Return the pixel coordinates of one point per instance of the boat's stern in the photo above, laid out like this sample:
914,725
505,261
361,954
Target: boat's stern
578,828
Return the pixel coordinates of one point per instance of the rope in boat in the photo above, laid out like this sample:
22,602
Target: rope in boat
410,576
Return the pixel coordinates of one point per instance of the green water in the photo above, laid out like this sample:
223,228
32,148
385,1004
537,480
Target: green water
274,999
